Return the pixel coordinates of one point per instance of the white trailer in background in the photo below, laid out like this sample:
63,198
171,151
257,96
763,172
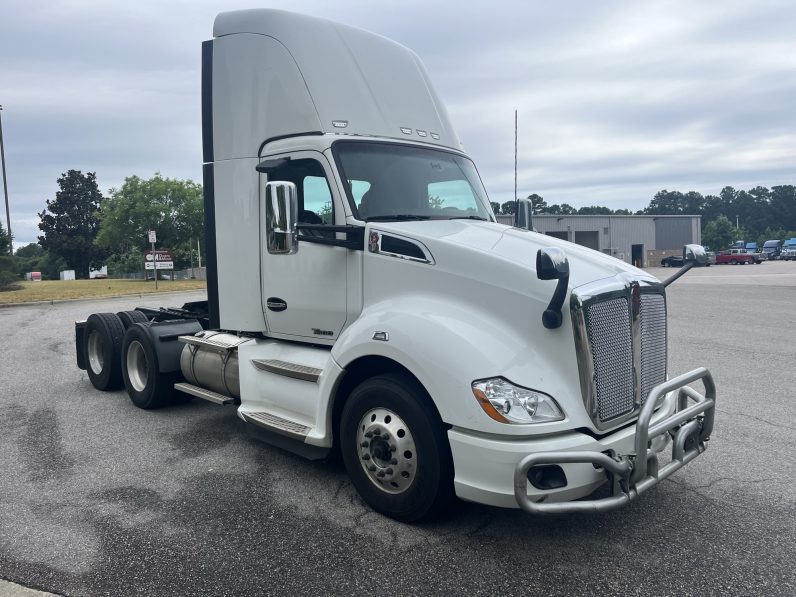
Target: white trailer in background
362,297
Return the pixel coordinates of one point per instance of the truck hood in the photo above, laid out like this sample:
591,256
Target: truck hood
507,244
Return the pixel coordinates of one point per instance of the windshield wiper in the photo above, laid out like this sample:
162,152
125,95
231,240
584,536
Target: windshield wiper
385,218
469,218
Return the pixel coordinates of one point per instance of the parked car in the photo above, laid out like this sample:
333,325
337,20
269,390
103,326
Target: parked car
711,258
734,257
672,261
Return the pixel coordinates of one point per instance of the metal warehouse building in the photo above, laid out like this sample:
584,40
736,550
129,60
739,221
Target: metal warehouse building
640,240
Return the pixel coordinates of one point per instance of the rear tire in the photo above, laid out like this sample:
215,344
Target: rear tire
395,449
733,262
128,318
147,387
103,341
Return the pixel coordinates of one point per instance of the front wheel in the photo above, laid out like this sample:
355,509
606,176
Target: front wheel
733,262
395,448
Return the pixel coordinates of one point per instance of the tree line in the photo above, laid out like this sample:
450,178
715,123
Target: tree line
755,215
83,229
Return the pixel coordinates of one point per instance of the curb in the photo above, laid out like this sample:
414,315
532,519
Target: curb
97,298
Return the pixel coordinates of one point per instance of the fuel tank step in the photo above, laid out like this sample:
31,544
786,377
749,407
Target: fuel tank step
277,424
204,393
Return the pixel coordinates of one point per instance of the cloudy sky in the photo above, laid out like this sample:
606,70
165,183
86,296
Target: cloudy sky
616,100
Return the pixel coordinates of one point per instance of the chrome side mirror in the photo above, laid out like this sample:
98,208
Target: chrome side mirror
692,255
552,264
281,215
695,253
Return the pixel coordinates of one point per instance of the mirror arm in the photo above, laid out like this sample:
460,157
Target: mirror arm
552,318
678,273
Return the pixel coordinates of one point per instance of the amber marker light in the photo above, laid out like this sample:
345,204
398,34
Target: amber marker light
490,410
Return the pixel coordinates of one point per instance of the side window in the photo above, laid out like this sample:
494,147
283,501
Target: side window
318,198
314,195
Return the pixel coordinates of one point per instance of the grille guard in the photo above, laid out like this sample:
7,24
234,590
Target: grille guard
633,474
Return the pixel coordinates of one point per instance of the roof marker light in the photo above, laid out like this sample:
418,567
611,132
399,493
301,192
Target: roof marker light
406,131
339,124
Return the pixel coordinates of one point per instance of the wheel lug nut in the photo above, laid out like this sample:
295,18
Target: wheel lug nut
369,434
371,468
380,474
376,432
366,457
364,444
394,461
392,448
388,471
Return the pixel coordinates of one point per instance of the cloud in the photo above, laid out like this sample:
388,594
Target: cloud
616,100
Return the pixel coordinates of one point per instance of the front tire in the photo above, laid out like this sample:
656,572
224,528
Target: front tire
146,385
395,449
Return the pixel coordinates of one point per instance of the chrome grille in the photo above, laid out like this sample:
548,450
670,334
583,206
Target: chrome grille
608,327
653,342
621,358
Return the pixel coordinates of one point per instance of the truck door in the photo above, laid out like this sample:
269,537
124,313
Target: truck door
304,294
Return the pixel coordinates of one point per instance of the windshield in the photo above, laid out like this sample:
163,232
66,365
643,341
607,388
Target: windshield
388,181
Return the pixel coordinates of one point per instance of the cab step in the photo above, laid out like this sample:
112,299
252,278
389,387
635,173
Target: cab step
204,393
276,424
294,370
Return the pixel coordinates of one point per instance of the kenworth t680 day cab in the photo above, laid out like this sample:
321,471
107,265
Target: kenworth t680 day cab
362,297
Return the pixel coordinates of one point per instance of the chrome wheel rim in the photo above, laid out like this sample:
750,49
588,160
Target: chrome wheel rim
137,370
96,352
386,450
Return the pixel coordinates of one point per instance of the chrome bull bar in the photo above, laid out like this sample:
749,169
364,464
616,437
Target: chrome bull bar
633,474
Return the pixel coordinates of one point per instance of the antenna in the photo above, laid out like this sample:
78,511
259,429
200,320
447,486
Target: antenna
516,199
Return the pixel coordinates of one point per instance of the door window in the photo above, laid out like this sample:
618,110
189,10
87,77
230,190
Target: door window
314,195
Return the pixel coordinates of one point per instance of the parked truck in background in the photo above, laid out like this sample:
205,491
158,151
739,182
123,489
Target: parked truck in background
362,297
772,249
734,257
788,251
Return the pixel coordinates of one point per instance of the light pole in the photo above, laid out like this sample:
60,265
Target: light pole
5,184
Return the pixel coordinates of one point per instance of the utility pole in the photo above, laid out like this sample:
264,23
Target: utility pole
5,184
736,223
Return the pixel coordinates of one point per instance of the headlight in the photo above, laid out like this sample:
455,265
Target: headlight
507,403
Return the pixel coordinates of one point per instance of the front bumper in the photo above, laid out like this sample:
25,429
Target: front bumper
627,458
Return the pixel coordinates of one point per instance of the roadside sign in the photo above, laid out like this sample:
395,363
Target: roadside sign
153,237
161,259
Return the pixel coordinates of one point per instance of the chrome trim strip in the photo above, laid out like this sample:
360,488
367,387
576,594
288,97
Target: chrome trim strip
634,291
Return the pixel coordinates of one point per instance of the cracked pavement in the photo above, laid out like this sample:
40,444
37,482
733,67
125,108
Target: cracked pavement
98,497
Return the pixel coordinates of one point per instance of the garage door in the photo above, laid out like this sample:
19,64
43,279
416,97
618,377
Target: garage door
588,238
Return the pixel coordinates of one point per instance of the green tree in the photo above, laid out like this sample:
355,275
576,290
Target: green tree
495,207
509,207
565,209
595,210
70,222
719,234
538,203
5,241
173,208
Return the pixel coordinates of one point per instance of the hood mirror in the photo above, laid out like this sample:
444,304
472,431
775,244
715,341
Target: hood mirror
695,253
692,255
552,264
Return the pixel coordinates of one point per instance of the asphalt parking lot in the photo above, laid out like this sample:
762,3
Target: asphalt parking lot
98,497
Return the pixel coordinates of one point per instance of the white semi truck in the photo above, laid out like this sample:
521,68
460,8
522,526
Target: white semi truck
362,298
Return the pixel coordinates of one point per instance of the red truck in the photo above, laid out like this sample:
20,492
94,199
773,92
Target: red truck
734,257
